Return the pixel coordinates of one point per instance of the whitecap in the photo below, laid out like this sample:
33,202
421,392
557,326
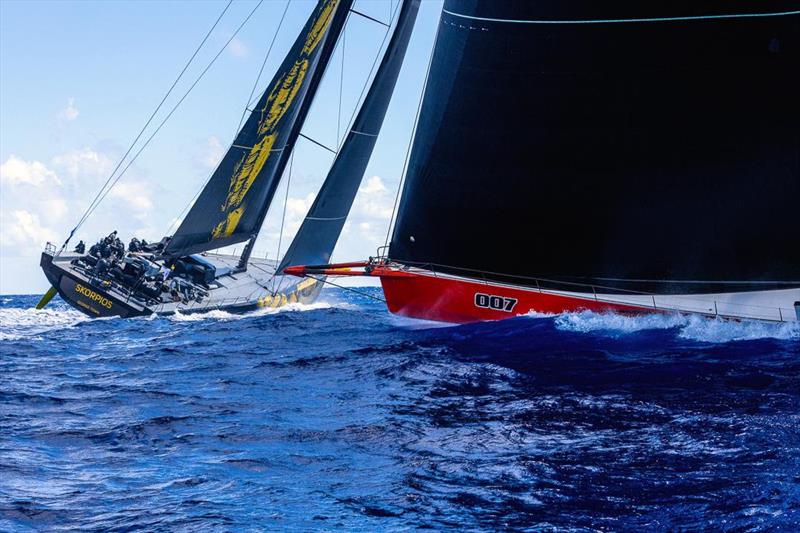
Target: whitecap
718,330
217,314
19,322
687,326
590,321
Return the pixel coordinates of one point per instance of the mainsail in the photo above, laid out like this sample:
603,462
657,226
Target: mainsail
649,145
321,228
232,206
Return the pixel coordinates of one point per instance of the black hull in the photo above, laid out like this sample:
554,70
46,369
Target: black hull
95,299
86,296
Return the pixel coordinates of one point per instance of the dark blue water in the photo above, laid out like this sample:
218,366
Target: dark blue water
339,416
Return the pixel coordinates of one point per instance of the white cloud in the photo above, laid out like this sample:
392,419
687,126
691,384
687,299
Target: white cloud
31,206
374,185
373,200
15,172
297,208
212,154
237,48
70,112
40,202
137,197
84,164
22,228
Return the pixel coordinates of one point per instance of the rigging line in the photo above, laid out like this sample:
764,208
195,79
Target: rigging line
261,71
331,150
382,23
411,138
152,115
369,76
175,107
283,217
246,108
341,89
350,289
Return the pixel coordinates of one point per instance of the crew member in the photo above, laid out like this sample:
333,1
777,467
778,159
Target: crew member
80,248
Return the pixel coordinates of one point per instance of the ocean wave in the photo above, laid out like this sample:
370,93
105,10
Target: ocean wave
690,327
20,322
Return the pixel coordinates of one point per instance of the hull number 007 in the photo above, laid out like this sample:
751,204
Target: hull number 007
498,303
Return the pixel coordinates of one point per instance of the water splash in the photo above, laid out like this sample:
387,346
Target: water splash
19,322
690,327
217,314
720,331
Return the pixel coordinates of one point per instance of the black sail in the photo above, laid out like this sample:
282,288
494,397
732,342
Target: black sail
321,228
638,145
232,206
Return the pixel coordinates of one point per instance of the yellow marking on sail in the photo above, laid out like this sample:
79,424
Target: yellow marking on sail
226,227
320,27
247,171
278,103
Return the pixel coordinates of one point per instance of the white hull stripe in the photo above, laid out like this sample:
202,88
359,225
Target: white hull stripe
622,21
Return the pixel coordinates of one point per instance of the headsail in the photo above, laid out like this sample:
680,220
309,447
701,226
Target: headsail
232,206
321,228
631,142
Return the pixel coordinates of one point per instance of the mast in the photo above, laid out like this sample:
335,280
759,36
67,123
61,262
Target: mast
232,206
317,236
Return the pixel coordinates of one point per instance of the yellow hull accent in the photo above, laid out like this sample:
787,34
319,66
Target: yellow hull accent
298,295
46,298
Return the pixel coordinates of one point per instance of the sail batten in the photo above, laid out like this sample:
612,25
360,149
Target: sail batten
232,206
320,230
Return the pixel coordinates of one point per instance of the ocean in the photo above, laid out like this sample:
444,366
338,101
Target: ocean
339,416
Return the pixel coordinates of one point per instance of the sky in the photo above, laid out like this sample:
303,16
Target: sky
78,80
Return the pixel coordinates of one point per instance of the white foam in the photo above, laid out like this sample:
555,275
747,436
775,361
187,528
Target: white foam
17,322
692,327
718,330
588,321
404,322
217,314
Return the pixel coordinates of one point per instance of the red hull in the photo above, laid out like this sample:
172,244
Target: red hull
421,293
450,299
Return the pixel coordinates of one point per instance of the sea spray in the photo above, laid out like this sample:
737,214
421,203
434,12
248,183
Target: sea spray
692,327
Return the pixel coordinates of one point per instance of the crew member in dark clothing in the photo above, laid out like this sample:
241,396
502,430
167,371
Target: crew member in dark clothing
80,248
109,240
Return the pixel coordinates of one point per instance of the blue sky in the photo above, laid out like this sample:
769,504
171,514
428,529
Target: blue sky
79,79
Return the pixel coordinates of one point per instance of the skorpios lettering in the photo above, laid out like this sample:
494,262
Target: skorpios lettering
89,293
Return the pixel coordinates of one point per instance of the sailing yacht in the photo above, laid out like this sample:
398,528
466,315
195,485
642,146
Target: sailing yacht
183,273
622,156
